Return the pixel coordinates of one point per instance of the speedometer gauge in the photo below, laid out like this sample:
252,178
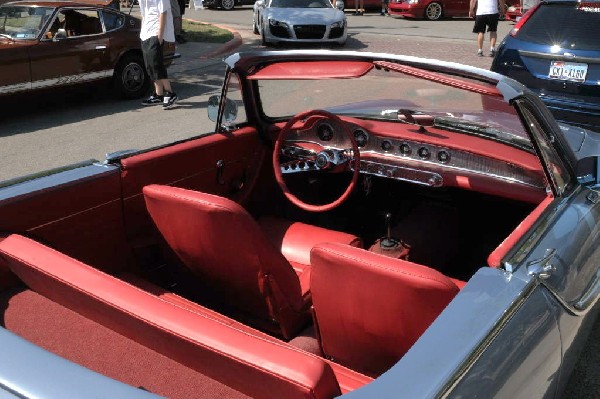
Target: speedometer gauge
362,138
325,132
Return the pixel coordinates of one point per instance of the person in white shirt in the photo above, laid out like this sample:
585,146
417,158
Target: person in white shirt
157,27
486,14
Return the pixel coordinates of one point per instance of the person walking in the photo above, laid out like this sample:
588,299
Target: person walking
177,21
359,7
157,27
384,7
486,15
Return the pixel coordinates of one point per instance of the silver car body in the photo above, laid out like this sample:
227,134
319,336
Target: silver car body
300,21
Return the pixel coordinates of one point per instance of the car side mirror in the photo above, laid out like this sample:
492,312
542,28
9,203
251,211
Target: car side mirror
230,109
339,4
61,34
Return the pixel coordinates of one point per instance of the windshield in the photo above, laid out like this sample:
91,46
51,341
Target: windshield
23,22
399,98
301,4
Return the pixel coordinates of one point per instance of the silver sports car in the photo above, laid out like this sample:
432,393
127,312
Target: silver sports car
305,21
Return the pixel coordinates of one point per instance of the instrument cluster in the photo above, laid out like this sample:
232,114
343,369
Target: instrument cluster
418,161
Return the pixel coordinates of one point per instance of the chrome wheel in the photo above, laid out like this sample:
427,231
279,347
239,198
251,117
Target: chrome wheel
227,4
433,11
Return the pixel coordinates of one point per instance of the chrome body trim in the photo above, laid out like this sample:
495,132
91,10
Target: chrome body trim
55,82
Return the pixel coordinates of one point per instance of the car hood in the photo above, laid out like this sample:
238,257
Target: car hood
305,15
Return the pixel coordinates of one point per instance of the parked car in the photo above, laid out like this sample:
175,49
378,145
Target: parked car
54,44
364,224
551,51
515,11
299,21
433,10
350,5
226,4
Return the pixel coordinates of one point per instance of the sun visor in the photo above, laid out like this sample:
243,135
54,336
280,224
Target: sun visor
312,70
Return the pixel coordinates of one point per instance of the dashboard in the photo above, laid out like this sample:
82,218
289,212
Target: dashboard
421,155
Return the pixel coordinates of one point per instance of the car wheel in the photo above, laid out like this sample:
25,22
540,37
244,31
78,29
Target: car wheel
130,78
227,4
254,25
433,11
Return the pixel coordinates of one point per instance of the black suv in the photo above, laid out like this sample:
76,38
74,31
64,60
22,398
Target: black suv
554,50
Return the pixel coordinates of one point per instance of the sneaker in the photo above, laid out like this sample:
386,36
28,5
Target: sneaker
479,53
169,99
492,52
382,13
153,100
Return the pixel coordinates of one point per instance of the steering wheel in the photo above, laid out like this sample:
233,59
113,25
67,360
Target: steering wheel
325,160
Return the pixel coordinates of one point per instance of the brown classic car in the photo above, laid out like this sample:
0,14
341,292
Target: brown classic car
52,44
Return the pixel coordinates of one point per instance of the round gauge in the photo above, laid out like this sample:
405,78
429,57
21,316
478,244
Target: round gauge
325,132
362,138
443,156
405,149
424,152
386,145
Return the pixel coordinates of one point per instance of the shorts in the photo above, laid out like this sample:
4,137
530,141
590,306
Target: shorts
153,58
489,20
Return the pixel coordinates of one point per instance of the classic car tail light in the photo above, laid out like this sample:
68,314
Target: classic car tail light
523,19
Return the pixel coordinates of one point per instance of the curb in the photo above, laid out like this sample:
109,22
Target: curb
226,47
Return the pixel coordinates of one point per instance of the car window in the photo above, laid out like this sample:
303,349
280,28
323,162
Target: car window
301,4
20,22
234,93
112,20
76,23
565,25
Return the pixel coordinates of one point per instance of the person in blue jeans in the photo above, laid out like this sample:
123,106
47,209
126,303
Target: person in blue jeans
384,7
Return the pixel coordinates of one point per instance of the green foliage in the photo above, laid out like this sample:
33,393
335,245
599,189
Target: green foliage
199,32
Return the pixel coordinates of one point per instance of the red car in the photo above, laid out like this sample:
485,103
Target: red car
433,9
53,44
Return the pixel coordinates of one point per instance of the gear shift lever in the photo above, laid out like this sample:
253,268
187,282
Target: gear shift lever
388,241
388,245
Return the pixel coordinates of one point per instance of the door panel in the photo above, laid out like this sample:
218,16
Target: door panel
82,56
219,164
77,212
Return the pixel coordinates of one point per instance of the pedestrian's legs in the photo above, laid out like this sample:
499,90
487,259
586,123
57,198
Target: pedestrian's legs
493,36
480,37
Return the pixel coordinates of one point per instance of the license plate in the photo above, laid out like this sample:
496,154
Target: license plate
571,71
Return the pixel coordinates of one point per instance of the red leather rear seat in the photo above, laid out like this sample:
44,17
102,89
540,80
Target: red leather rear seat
348,379
258,367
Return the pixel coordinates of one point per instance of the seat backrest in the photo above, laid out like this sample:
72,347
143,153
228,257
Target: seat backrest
255,366
223,245
370,308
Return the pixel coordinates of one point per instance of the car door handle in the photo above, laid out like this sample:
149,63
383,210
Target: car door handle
100,48
590,296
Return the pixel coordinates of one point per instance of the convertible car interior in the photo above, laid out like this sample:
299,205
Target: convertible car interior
229,265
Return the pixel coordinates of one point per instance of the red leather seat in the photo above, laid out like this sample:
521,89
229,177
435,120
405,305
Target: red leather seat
222,244
369,308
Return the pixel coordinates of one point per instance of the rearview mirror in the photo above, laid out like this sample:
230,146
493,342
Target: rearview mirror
339,4
61,34
230,109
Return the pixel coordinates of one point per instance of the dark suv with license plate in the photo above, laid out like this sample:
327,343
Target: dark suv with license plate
554,50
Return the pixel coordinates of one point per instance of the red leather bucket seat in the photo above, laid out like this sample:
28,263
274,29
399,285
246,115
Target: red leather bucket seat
369,308
232,256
